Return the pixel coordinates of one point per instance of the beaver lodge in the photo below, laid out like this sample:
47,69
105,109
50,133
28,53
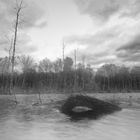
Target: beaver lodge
81,106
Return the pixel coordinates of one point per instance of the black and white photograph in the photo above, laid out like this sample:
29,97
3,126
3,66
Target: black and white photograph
69,69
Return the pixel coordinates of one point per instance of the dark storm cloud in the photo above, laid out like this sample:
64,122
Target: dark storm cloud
130,51
104,9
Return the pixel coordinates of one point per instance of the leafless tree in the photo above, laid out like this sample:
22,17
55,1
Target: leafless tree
63,54
45,65
18,9
58,65
75,63
27,63
9,49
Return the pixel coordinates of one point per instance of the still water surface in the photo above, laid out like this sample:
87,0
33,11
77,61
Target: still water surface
27,122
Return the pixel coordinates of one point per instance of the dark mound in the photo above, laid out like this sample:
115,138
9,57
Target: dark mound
94,107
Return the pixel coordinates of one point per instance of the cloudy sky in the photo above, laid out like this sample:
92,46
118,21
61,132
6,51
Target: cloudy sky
102,31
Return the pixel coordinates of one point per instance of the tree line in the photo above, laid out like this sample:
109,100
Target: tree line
65,77
22,72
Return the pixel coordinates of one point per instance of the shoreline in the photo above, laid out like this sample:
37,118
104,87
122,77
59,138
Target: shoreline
124,100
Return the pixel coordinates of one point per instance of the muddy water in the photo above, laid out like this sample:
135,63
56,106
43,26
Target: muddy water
27,122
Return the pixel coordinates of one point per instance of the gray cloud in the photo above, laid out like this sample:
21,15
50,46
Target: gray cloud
133,46
104,9
26,49
96,39
31,13
97,8
126,57
111,44
41,24
2,42
100,58
98,50
130,51
24,45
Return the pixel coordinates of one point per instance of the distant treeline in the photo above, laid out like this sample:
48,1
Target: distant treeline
64,77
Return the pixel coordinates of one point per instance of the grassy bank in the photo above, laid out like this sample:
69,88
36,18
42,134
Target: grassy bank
124,100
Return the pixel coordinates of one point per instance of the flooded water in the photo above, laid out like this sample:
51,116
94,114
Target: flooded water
27,122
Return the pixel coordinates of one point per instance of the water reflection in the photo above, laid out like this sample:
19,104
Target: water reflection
26,122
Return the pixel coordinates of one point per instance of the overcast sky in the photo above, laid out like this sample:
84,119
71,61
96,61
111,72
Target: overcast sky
102,31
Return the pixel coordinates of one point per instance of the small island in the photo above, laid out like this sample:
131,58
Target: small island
81,106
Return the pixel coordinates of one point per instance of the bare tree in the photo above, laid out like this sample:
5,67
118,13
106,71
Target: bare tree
45,65
9,49
83,60
75,63
68,63
27,63
63,54
18,9
58,65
